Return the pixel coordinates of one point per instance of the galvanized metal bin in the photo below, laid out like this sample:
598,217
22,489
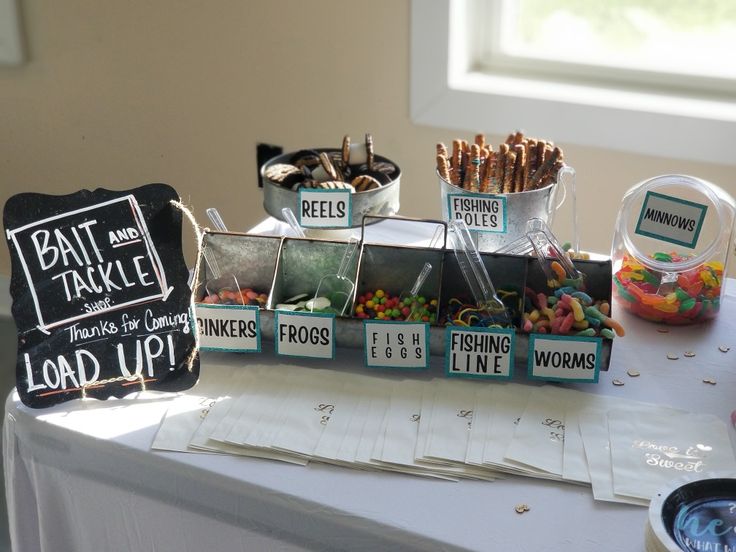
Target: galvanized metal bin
597,285
301,265
250,258
381,201
283,267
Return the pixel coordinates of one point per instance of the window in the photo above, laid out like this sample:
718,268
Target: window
656,44
649,76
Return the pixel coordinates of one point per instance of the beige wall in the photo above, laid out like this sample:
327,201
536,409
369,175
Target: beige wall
118,94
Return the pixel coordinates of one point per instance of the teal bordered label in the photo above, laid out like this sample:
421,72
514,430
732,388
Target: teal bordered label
481,212
486,353
395,344
231,328
325,208
671,219
564,358
304,334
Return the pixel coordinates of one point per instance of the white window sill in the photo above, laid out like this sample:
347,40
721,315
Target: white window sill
444,95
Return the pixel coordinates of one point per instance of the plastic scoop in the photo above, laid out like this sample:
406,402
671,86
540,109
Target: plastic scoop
434,243
335,291
554,261
288,215
218,282
224,287
216,219
566,177
476,276
411,298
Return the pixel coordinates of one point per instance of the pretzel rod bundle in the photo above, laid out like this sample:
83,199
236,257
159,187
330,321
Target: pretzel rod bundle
520,164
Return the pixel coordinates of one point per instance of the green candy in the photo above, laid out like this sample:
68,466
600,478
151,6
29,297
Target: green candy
595,313
682,295
686,305
662,257
587,332
622,292
649,277
608,333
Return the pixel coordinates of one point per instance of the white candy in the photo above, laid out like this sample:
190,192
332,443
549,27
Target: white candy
318,303
296,298
358,154
285,307
320,174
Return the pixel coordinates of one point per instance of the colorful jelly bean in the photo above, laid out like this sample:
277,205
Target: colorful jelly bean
381,305
693,296
243,296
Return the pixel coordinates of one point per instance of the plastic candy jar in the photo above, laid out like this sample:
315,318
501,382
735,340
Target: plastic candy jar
670,249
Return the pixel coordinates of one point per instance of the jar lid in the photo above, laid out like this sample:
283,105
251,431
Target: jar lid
675,213
693,513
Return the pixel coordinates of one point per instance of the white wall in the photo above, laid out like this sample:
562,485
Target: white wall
118,94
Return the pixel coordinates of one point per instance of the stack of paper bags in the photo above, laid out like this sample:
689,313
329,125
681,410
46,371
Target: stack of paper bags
445,429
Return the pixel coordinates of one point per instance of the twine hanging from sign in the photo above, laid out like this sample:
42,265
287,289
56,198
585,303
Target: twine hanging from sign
195,281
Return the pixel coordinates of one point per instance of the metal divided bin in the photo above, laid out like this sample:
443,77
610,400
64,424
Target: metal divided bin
285,267
395,269
597,285
301,265
507,272
250,258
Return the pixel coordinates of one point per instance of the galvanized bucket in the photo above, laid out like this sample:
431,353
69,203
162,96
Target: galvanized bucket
381,201
520,207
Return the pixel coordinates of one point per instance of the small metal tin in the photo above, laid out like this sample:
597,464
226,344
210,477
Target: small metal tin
382,201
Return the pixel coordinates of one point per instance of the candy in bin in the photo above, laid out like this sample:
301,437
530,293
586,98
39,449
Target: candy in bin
224,289
563,307
335,291
487,310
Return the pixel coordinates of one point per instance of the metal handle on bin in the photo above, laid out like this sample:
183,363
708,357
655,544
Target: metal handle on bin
404,219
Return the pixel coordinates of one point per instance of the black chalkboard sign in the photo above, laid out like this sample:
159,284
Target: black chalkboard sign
99,288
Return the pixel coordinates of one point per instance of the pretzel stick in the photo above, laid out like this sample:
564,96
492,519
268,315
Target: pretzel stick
508,172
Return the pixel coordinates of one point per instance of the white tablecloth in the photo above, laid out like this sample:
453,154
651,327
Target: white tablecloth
81,476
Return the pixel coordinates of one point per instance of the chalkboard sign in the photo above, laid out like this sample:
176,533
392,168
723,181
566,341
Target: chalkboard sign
99,288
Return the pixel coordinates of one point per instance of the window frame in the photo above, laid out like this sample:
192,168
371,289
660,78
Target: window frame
488,56
447,91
